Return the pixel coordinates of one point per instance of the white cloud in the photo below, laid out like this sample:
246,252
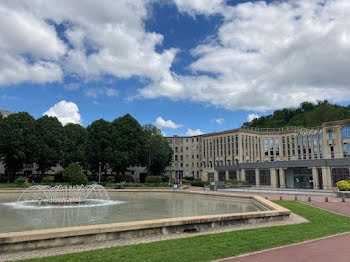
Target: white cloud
66,112
101,91
206,7
71,86
111,92
161,123
219,121
268,56
251,117
263,55
193,132
101,38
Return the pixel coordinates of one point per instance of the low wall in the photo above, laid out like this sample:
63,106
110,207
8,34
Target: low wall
36,239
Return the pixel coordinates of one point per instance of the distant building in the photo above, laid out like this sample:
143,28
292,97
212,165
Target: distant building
309,158
5,113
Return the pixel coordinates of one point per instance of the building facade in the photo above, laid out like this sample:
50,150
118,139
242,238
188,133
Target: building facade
314,158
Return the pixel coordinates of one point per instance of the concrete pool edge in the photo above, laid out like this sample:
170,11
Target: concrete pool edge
46,238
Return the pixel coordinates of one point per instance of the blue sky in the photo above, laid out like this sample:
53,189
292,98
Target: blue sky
196,66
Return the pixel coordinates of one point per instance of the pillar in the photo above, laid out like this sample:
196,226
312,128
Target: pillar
257,177
282,178
315,178
226,174
204,176
242,175
273,177
326,177
216,176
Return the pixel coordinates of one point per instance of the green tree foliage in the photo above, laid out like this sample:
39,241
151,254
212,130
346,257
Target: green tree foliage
127,144
17,141
306,115
99,148
74,144
50,137
158,154
74,174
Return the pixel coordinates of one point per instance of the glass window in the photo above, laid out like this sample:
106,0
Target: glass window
264,176
232,175
330,135
266,150
339,174
345,132
320,144
250,177
346,150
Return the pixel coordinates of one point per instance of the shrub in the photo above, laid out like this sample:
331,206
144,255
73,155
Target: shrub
343,185
74,174
110,179
48,179
129,178
198,183
20,180
154,179
58,176
233,182
165,178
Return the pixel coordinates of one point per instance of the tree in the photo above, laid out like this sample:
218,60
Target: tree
74,174
17,142
157,154
49,137
74,144
99,147
306,115
127,144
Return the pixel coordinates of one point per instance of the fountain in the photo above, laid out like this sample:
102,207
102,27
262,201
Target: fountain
63,195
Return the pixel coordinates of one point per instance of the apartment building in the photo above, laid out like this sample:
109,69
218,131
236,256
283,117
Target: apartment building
186,157
314,158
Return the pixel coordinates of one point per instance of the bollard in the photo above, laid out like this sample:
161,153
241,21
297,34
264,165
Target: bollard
343,200
281,198
326,199
295,198
309,199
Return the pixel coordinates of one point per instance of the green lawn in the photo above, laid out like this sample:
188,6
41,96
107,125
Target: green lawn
215,246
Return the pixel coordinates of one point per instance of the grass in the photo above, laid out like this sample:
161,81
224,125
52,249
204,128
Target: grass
215,246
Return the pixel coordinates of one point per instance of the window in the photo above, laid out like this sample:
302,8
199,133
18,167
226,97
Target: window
330,135
320,145
232,175
314,139
339,174
250,177
266,150
345,132
346,150
277,145
264,176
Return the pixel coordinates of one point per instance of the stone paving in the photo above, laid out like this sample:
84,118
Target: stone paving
334,248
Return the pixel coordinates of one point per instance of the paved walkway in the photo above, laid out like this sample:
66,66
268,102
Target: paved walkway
324,250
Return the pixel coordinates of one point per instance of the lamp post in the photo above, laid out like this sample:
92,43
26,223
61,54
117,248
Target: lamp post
99,172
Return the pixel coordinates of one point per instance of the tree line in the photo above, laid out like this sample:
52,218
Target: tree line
306,115
116,145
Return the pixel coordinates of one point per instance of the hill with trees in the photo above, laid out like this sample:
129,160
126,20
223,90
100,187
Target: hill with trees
306,115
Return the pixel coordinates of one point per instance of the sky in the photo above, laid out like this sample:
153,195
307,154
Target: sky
189,67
